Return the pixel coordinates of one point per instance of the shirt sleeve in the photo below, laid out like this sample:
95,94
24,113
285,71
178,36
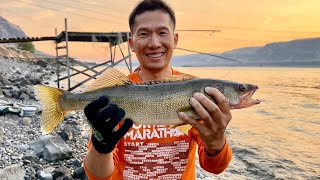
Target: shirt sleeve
216,164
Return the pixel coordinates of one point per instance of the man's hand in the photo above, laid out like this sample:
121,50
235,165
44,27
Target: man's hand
104,117
215,116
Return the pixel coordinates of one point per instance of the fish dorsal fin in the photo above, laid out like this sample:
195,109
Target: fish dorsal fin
112,77
171,78
180,77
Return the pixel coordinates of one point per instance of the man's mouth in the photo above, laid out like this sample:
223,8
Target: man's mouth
155,55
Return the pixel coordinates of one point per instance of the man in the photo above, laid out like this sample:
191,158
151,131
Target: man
156,152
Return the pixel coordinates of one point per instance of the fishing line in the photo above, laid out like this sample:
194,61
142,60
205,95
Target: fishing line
229,59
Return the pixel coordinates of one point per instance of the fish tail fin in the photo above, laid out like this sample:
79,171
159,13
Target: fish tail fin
52,113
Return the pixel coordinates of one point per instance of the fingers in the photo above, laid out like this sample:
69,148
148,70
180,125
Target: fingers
189,120
220,99
114,117
123,129
205,108
105,115
92,108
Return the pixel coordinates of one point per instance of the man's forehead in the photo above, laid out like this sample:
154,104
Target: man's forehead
147,21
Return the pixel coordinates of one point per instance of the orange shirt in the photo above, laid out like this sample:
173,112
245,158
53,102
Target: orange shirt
158,152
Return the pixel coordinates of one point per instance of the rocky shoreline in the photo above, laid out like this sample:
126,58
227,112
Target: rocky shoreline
26,153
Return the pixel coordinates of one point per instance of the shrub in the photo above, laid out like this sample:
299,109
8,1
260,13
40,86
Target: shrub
27,46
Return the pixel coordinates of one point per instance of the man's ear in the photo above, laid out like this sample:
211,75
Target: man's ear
176,37
131,44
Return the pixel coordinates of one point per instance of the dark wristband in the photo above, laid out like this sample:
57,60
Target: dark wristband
102,147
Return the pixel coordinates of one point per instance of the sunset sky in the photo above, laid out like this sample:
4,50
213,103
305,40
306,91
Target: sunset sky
242,23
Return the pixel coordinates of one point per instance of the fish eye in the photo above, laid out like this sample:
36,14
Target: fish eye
242,87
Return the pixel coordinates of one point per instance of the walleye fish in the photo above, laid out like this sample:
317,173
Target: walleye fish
151,103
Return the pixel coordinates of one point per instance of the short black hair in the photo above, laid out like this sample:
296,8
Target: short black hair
151,5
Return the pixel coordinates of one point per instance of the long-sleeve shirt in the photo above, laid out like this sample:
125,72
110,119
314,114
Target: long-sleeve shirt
160,152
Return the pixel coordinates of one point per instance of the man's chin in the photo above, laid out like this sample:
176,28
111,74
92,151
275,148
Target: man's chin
157,66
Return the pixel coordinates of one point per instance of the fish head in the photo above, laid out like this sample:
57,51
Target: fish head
239,95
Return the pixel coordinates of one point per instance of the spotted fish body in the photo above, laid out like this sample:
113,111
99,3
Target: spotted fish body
151,103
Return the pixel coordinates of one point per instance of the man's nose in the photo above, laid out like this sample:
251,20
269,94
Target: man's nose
154,42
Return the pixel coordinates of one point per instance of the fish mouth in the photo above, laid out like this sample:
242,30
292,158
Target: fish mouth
246,101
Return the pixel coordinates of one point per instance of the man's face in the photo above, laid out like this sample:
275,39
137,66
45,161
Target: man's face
153,39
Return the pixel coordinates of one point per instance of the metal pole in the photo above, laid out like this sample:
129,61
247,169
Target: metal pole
111,55
58,82
67,50
129,53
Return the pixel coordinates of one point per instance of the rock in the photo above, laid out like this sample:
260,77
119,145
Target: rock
31,157
26,121
42,63
76,163
37,167
38,145
23,147
4,80
7,93
56,149
42,175
15,91
62,173
1,134
24,96
32,132
23,82
27,178
80,174
66,133
12,172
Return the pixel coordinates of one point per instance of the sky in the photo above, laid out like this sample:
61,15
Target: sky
241,23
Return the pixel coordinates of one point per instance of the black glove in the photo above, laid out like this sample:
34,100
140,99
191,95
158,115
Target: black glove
103,118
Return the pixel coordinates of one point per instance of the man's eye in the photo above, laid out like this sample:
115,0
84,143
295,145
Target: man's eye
163,33
143,34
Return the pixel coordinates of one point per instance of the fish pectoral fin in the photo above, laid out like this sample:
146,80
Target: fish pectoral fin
180,77
112,77
182,128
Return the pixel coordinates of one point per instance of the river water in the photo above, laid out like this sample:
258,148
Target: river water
279,138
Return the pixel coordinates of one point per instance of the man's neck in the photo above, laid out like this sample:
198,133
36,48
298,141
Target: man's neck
147,74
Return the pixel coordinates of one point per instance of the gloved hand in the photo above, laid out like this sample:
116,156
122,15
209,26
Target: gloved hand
103,118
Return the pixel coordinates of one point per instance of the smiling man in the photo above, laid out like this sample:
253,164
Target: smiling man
136,151
153,42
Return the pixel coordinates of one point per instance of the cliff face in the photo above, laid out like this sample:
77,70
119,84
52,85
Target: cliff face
9,30
9,50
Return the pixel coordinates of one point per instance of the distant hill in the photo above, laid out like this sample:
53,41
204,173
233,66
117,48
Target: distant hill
301,52
9,30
